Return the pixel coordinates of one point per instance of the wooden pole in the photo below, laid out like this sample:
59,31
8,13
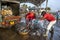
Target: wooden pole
46,4
40,7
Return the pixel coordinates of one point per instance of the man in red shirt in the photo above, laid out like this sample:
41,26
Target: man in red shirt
30,16
51,20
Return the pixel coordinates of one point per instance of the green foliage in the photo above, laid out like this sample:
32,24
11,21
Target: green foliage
24,6
48,8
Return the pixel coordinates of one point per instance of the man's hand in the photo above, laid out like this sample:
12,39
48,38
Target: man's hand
42,18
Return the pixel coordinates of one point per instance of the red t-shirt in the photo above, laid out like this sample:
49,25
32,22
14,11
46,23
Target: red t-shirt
49,17
30,16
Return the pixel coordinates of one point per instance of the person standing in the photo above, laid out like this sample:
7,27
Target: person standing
29,17
0,18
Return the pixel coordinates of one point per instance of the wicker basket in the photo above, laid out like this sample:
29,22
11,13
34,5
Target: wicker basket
23,33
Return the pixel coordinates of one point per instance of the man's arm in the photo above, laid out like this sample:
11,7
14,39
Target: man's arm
42,18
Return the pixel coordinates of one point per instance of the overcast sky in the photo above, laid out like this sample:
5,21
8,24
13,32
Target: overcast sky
53,4
29,4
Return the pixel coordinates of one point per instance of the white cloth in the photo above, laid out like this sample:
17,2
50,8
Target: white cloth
23,20
50,25
39,22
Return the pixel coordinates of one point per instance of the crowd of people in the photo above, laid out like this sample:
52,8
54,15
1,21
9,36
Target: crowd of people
31,17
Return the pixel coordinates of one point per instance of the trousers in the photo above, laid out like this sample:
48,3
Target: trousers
50,25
